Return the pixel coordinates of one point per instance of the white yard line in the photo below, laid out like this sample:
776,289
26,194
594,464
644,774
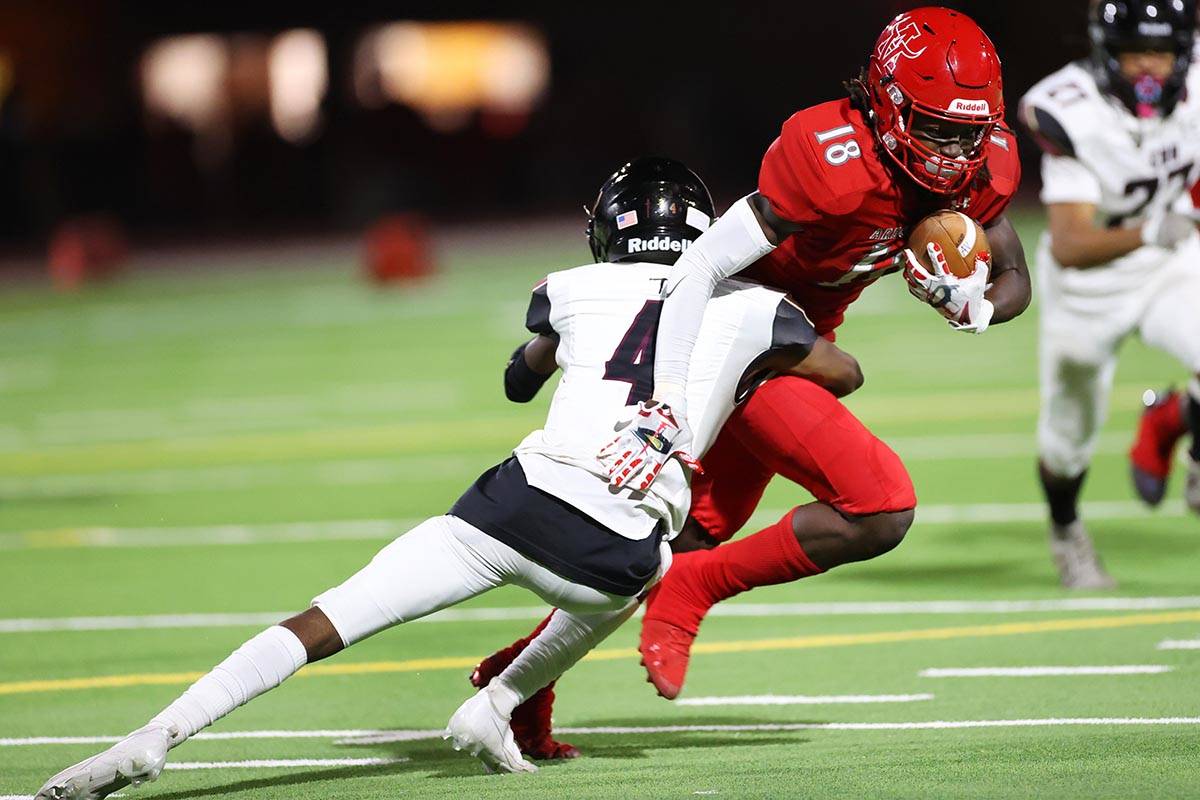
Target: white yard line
369,737
801,700
1038,672
382,529
1179,644
866,608
283,763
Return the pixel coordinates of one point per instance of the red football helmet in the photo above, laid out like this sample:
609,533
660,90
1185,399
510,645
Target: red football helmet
935,63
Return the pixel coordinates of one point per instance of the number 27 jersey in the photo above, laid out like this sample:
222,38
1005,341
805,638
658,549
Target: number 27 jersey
605,317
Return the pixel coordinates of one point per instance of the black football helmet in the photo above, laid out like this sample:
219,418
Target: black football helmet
650,209
1122,26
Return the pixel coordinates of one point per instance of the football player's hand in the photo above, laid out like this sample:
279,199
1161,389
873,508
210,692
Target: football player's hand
960,300
647,442
1168,230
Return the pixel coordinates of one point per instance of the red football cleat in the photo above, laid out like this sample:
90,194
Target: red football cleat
674,610
1162,425
666,650
531,724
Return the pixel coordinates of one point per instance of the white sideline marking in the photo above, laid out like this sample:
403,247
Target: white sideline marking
1179,644
386,529
286,762
866,608
366,737
1036,672
409,736
800,700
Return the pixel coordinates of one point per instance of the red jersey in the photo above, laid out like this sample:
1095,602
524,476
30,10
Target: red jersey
824,173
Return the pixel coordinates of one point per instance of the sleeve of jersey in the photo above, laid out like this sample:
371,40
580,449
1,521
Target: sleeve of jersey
537,318
733,242
1067,180
792,329
781,179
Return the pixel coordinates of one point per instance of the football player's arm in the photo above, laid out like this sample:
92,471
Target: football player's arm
530,366
1011,289
746,232
1077,242
825,364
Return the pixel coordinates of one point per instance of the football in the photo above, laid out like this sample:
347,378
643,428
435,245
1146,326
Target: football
962,240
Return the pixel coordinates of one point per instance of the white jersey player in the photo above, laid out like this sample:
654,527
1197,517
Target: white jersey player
544,519
1121,255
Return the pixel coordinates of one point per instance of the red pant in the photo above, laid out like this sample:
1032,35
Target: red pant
794,428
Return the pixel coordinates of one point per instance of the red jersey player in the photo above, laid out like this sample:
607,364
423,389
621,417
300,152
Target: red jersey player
838,192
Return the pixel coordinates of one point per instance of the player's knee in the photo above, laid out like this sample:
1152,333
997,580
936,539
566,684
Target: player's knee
316,633
693,537
881,533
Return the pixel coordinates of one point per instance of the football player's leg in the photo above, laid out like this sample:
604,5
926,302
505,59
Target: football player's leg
531,721
864,507
723,498
1074,404
1172,324
726,494
583,616
427,569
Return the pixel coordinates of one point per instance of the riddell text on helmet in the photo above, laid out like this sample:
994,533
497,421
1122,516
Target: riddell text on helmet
657,244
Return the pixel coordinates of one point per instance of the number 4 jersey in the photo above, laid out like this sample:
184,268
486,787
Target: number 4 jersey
605,317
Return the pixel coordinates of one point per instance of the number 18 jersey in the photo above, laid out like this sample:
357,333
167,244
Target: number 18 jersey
605,317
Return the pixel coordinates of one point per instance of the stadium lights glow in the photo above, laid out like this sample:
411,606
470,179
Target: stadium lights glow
447,70
299,77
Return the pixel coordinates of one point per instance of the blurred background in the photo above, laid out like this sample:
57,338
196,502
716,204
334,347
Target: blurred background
261,267
180,122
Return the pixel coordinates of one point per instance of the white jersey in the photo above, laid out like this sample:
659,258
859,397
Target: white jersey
605,317
1098,152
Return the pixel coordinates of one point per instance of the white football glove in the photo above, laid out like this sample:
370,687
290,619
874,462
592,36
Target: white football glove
960,300
646,442
1167,229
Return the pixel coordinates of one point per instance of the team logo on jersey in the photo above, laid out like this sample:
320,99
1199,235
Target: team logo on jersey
898,44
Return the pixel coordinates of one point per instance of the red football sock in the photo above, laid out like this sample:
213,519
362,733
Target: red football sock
700,579
771,556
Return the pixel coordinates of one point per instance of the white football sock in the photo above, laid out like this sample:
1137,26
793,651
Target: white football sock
565,639
260,664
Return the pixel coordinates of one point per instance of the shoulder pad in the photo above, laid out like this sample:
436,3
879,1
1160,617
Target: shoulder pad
792,327
537,317
1046,130
1003,162
827,150
1059,110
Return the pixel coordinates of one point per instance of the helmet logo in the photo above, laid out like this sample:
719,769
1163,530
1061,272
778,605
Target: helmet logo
889,141
972,107
657,244
896,42
626,220
895,94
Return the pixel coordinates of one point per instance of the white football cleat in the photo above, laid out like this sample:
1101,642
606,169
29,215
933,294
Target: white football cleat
1192,491
1078,565
479,729
136,759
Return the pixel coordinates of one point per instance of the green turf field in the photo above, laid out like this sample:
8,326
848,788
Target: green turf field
231,442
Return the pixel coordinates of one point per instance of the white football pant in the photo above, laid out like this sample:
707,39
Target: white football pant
441,562
1086,315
